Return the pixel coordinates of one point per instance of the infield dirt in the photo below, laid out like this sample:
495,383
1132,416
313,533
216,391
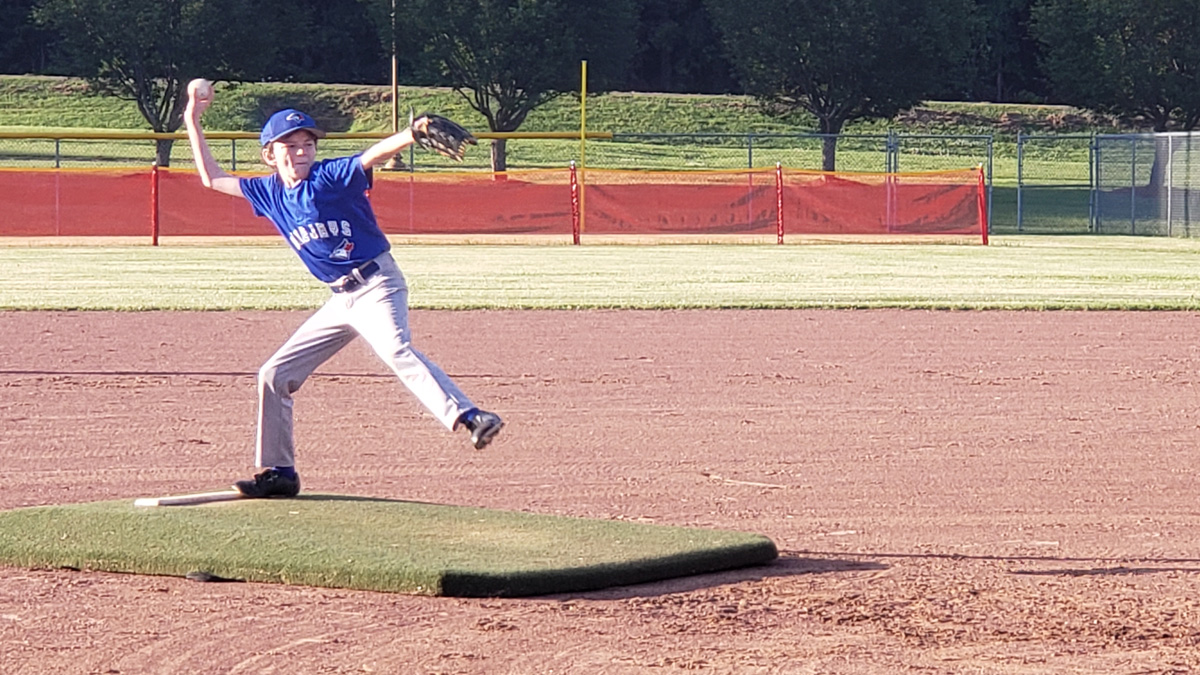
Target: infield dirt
951,492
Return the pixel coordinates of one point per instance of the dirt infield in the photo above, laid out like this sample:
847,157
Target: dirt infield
951,492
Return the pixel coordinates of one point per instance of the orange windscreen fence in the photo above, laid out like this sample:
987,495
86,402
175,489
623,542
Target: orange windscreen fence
774,202
899,203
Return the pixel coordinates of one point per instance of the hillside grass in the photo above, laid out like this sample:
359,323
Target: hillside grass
41,102
729,124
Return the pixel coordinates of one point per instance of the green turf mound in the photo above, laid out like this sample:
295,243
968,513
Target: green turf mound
370,544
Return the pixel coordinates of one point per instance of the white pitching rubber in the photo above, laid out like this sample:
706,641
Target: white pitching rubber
189,500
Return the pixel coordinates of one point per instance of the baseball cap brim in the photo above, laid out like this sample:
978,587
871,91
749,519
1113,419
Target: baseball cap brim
312,130
286,122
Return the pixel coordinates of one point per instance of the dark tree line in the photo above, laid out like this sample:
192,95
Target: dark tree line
837,62
676,45
844,61
24,46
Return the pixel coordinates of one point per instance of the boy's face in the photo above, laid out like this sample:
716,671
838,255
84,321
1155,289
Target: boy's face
291,156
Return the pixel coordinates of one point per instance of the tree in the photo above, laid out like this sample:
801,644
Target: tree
1006,66
147,51
344,46
846,60
507,57
1135,59
679,50
23,46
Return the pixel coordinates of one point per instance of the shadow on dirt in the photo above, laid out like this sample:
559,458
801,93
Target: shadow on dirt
789,563
1095,566
1120,570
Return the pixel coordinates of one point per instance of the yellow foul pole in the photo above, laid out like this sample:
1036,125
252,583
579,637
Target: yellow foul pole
391,162
395,74
582,139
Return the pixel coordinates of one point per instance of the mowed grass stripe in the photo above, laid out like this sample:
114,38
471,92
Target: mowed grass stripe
370,544
1015,272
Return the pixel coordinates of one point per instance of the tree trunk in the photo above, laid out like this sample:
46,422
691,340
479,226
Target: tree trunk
831,128
499,155
1162,153
829,152
1162,158
162,152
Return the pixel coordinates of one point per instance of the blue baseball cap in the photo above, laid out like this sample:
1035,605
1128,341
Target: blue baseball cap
285,122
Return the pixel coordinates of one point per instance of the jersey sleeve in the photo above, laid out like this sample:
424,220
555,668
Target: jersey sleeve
344,173
255,192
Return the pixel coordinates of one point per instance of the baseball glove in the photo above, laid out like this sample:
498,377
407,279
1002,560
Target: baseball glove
443,136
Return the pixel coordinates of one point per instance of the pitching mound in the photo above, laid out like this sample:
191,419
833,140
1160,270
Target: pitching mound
369,544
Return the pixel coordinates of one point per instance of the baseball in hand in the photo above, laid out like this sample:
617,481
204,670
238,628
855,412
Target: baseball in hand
200,89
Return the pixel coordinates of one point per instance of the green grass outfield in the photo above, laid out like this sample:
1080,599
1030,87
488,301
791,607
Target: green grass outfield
1014,272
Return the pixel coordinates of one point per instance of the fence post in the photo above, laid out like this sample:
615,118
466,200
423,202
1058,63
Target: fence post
1170,171
1133,186
1184,187
891,164
1020,180
984,216
154,204
233,154
574,206
991,147
778,203
749,151
891,158
1094,185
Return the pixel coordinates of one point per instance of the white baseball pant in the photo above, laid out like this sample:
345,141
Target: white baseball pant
378,311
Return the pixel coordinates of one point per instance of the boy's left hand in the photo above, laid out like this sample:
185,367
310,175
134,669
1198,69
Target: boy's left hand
441,135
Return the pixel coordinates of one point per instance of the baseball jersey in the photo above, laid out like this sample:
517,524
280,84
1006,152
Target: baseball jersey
327,218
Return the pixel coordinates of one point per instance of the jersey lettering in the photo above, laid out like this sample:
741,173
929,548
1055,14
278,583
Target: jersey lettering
316,231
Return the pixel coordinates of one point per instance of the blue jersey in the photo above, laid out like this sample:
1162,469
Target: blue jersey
327,218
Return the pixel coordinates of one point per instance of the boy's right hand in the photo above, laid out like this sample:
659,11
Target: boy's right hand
200,96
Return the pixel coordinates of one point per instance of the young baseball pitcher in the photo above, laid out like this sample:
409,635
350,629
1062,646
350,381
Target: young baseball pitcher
321,209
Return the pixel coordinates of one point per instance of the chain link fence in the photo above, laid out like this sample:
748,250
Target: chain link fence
877,153
240,152
1054,184
854,153
1148,184
737,151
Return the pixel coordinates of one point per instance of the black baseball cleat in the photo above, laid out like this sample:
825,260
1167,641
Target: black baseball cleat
269,483
484,426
